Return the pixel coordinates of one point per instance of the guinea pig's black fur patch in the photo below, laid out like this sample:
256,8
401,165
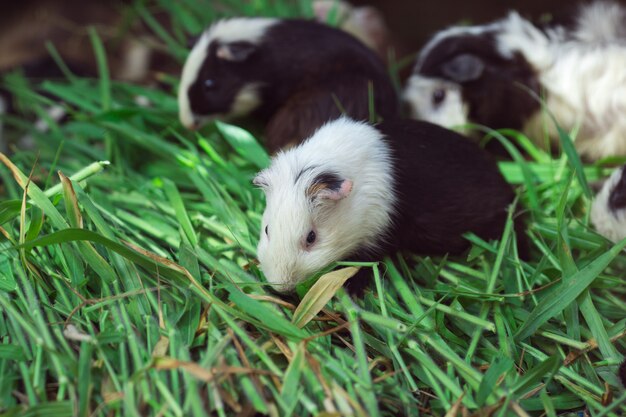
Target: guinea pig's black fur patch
498,95
617,199
329,180
445,186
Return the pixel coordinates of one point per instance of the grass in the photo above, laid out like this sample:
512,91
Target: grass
129,287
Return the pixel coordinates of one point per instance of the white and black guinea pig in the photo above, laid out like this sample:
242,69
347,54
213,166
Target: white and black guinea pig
608,211
293,75
355,191
487,75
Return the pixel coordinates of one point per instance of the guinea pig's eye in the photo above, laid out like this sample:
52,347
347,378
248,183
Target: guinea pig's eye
310,239
266,232
439,95
209,84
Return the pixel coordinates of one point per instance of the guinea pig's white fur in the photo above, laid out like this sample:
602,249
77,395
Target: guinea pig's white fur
581,71
601,21
418,92
586,89
609,223
355,217
225,31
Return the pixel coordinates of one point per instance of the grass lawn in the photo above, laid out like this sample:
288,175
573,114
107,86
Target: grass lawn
129,287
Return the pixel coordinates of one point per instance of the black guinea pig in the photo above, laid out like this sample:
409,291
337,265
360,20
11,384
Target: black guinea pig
292,75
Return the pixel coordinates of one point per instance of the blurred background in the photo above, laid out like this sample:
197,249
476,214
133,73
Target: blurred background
47,39
134,52
29,29
413,22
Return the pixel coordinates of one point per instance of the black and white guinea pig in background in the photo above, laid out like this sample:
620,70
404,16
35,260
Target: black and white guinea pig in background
293,75
608,210
355,191
483,74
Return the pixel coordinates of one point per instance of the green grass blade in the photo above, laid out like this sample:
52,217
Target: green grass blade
568,292
244,144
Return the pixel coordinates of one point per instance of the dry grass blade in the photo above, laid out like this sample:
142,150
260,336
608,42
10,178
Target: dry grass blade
161,347
203,374
76,218
320,293
456,407
17,174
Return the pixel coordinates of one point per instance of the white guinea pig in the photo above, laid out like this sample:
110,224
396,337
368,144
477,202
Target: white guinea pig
357,191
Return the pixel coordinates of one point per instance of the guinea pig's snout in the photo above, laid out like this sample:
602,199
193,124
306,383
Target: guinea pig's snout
281,281
409,102
282,288
280,277
190,120
187,118
194,125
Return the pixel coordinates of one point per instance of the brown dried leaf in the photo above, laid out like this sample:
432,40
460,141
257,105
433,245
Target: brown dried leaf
320,293
454,410
207,375
161,347
71,202
19,177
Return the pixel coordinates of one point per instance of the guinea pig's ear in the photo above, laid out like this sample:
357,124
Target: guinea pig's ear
329,187
235,51
463,68
260,180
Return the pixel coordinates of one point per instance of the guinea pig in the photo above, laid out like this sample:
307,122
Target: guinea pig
356,191
494,74
292,75
366,23
608,210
